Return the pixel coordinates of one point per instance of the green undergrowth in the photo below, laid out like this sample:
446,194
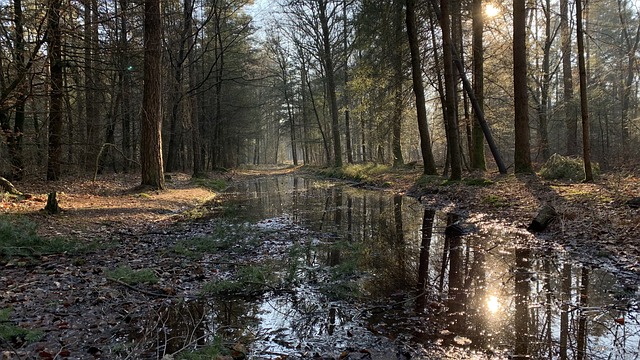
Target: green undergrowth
133,277
249,280
214,351
19,238
560,167
211,184
357,172
12,334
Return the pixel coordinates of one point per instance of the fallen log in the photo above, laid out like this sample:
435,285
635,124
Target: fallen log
546,215
7,186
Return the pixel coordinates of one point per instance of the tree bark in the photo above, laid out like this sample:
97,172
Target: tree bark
584,100
418,90
54,40
327,58
567,79
151,140
477,138
522,161
453,142
398,79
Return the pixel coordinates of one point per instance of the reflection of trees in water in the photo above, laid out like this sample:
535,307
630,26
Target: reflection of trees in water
466,271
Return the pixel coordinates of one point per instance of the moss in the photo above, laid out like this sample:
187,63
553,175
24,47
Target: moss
132,277
211,184
495,200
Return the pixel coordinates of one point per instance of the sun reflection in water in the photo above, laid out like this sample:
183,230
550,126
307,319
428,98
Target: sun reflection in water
493,304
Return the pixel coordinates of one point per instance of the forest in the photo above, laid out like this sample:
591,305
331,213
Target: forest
330,179
318,83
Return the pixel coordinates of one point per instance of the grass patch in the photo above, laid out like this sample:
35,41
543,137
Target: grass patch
211,184
132,277
19,238
14,334
357,172
249,280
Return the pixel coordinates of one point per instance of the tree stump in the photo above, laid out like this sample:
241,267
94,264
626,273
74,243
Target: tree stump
52,206
546,215
634,203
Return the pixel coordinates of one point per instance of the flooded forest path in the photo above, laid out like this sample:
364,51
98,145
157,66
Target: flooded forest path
290,266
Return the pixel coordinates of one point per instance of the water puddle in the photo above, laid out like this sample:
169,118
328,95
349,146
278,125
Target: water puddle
366,274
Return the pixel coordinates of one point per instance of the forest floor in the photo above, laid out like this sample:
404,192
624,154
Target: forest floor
74,300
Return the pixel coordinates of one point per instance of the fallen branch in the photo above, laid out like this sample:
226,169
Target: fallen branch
8,187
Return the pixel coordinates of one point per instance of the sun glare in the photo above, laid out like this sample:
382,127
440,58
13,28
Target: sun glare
491,10
493,304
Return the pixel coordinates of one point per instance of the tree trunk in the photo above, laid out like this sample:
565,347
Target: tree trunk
477,138
125,71
569,106
453,142
151,140
56,96
398,79
584,105
418,90
327,58
347,120
522,161
543,107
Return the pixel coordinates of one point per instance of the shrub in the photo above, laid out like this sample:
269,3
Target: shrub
560,167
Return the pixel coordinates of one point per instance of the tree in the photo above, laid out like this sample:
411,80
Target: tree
398,80
584,108
567,79
151,140
477,139
324,14
451,120
418,90
522,161
54,40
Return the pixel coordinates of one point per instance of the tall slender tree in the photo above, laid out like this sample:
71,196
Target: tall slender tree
418,89
151,127
584,101
54,42
522,161
567,80
398,81
325,12
451,120
477,139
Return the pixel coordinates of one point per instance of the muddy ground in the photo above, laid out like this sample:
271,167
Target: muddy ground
80,310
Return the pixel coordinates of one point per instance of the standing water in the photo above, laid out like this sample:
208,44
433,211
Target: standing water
331,271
